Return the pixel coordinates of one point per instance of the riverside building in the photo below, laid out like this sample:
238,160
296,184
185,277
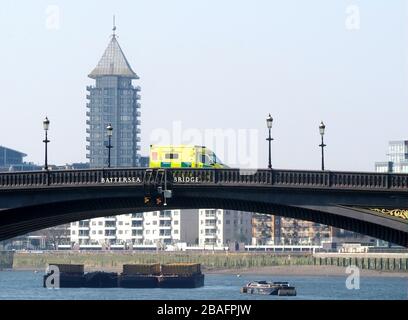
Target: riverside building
158,228
219,227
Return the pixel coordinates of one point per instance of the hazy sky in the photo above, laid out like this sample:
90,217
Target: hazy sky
211,65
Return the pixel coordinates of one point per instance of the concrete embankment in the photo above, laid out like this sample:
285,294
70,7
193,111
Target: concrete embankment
6,259
219,262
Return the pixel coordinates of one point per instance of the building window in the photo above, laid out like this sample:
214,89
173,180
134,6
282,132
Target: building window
176,231
227,222
176,222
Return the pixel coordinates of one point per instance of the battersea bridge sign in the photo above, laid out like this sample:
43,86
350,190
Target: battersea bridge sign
139,180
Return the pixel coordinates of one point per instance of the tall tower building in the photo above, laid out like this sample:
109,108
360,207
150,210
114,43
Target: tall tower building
113,100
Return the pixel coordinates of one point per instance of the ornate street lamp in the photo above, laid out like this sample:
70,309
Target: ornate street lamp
269,121
46,126
109,130
322,128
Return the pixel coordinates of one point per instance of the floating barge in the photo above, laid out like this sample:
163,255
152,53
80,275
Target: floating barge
269,288
139,276
181,275
175,275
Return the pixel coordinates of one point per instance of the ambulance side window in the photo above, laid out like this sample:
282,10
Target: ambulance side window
168,156
206,159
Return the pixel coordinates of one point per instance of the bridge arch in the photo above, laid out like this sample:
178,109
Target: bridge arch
34,201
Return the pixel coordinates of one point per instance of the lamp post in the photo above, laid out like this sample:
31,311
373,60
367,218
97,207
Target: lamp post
322,128
109,129
269,121
46,126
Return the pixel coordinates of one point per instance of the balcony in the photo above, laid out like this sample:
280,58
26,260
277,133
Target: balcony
137,215
211,225
83,224
88,114
88,105
137,224
137,233
165,214
88,96
210,235
88,88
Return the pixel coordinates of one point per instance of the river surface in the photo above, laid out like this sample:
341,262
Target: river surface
28,285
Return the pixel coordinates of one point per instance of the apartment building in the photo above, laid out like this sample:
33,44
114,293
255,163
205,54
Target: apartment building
143,228
219,227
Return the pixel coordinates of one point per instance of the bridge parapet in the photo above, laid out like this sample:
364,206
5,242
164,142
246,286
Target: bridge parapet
262,177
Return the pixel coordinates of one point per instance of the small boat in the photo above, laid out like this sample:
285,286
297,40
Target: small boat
279,288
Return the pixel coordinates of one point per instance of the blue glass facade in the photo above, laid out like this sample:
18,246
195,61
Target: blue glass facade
113,100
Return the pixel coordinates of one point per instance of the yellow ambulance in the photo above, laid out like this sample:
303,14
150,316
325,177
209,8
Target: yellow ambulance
183,156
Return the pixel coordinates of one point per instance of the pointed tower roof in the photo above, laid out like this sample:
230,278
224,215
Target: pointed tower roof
113,62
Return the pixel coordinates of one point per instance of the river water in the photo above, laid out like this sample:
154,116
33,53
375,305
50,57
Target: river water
28,285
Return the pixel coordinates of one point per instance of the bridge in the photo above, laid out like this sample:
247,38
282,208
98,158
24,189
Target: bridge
374,204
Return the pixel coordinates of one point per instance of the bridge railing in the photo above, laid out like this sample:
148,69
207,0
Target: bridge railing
283,178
